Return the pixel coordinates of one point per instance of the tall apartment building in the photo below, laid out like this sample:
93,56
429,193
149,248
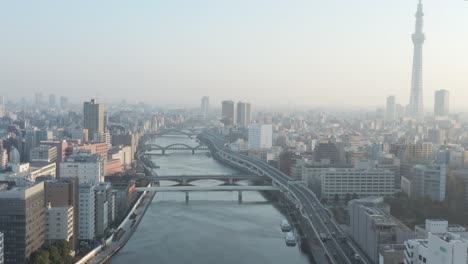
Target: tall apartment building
260,136
86,211
93,114
22,221
441,103
205,105
228,112
3,158
361,182
46,153
391,108
105,208
1,248
88,168
244,114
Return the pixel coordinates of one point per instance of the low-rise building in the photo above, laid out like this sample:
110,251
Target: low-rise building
358,182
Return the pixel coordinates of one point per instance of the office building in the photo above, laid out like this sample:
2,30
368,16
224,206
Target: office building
86,211
88,168
93,114
441,103
413,152
64,193
327,151
391,108
205,105
46,153
228,112
371,225
22,221
416,107
260,136
125,139
60,223
426,181
360,182
244,114
38,99
61,148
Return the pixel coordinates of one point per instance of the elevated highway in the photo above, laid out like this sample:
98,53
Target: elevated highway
337,251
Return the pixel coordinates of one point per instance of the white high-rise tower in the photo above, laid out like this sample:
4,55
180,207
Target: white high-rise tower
416,99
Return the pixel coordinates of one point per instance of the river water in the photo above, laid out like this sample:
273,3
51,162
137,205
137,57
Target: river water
213,227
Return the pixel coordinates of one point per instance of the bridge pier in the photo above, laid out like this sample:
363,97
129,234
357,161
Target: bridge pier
186,197
231,181
193,151
164,152
239,197
184,181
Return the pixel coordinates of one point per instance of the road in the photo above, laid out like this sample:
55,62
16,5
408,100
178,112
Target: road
339,250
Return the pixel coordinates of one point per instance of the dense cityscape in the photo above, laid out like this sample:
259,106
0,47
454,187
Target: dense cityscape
230,182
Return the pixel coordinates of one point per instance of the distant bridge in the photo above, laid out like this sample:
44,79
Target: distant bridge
188,189
187,179
174,131
176,146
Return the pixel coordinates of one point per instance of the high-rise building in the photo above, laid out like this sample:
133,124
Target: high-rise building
426,182
441,103
105,208
22,221
243,114
52,102
63,102
86,212
2,106
205,104
416,107
1,248
391,108
38,99
93,114
3,158
228,112
260,136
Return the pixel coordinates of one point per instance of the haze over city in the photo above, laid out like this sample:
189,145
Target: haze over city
274,53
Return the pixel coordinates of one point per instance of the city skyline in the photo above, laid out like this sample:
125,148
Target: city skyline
276,54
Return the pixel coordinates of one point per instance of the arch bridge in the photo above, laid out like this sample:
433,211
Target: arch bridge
175,131
175,146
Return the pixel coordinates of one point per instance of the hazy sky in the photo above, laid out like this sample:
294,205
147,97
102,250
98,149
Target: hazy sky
310,52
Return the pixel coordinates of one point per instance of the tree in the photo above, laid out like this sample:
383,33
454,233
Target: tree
42,257
336,199
347,198
54,255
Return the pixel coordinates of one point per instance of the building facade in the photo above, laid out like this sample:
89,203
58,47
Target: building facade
441,103
93,114
357,182
260,136
22,221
